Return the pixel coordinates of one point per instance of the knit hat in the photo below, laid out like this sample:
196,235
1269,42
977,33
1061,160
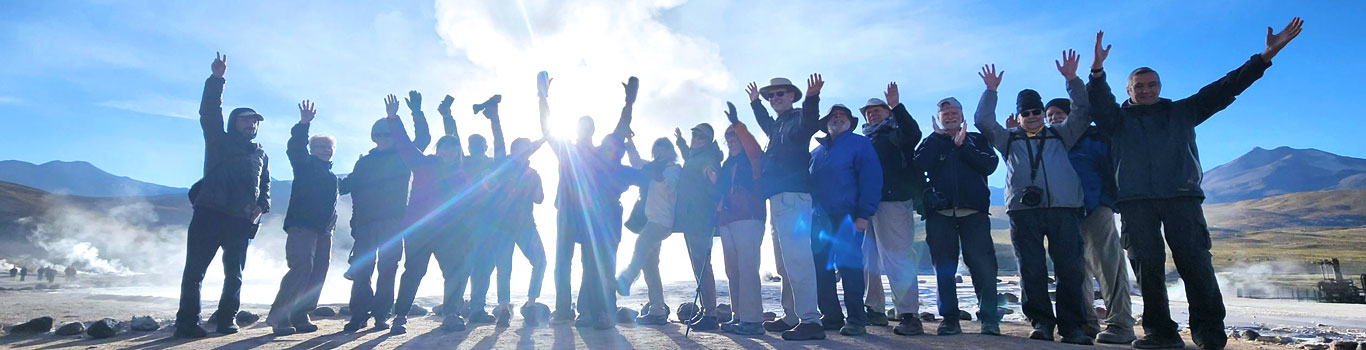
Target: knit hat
381,127
782,83
949,103
873,102
706,130
1064,104
1027,100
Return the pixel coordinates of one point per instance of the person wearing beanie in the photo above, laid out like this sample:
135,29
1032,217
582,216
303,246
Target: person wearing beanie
378,185
1043,200
784,181
695,215
1157,173
228,203
846,188
1104,256
659,198
889,241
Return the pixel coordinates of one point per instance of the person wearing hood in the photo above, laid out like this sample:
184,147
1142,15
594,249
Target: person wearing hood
696,215
957,163
660,195
1104,256
844,196
1043,200
888,244
1158,175
378,185
740,221
228,203
309,221
784,180
434,222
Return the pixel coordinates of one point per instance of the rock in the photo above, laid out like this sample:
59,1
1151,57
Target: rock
324,311
73,328
1101,312
438,309
723,313
686,311
417,310
770,277
538,312
892,315
346,311
1314,346
246,318
769,316
103,328
1251,335
1345,345
957,278
37,325
964,315
925,316
144,324
1011,297
1006,311
626,315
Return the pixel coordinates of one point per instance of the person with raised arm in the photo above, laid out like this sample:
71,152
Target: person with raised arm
660,196
696,216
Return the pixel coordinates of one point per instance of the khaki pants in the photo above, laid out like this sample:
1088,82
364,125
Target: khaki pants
1105,261
889,247
790,217
740,242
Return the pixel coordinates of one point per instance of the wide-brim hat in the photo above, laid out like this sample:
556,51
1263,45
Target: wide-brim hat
853,120
873,102
782,83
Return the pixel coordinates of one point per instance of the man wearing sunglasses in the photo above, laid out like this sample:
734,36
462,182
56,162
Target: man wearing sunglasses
784,181
1043,199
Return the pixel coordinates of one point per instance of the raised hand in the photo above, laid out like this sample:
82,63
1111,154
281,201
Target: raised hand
306,112
1276,42
814,84
990,77
961,135
543,80
391,105
935,122
678,134
1098,60
414,101
1012,121
632,86
1068,66
730,113
220,65
753,90
445,107
893,96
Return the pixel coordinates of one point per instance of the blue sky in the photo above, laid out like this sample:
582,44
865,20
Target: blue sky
117,83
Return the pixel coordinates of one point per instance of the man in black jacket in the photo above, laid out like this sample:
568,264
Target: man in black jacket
378,185
957,163
228,202
309,222
1158,177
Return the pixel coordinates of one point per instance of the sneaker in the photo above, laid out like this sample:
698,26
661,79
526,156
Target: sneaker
281,331
777,325
991,328
876,318
399,327
805,331
832,323
190,331
910,325
1041,334
949,327
624,286
226,326
305,327
502,315
453,323
1153,341
381,324
1115,335
353,326
705,324
853,330
479,317
652,320
729,327
748,328
1079,339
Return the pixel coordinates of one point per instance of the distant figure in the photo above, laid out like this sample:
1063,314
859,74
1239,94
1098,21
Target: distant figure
51,275
23,274
13,271
70,272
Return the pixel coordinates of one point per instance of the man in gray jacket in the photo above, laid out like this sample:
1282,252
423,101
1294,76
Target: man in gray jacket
1043,199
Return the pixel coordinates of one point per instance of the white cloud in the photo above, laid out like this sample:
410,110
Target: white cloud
157,105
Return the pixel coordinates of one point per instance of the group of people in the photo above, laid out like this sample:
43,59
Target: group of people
844,211
44,273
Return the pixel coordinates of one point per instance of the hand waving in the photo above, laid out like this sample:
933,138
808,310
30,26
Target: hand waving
1012,121
814,84
1276,42
730,113
543,80
391,105
753,90
414,101
306,112
632,86
893,95
990,77
1098,60
220,65
1068,66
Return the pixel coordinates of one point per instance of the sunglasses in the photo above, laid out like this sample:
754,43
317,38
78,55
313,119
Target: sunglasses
770,96
1031,112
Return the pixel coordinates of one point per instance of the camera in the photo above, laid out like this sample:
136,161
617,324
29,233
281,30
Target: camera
492,103
1032,196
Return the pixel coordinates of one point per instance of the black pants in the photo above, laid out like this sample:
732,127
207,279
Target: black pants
569,224
943,235
452,257
1060,226
1183,222
837,247
209,231
378,247
597,289
488,247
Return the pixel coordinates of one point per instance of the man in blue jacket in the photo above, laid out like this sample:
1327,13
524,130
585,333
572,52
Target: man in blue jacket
1157,176
845,193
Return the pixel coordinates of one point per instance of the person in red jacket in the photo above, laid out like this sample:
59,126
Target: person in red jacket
740,219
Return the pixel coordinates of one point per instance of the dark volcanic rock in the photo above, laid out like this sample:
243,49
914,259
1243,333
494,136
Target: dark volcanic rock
73,328
103,328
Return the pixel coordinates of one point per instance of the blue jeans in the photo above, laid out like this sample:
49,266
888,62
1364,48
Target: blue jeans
210,230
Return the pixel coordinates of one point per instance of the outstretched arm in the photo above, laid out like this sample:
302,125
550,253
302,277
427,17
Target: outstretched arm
422,134
811,108
211,105
1104,110
985,117
623,129
1220,94
499,148
1080,119
297,146
766,122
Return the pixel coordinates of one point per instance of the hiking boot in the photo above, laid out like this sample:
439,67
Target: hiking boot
729,327
305,327
400,326
226,326
190,331
1115,335
949,327
381,324
479,317
1079,339
876,318
353,326
1154,341
705,324
502,315
281,331
991,328
910,325
624,286
805,331
748,328
1041,333
851,330
832,323
652,320
777,325
453,323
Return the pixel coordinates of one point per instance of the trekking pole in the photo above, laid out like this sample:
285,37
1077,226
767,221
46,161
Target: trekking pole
697,277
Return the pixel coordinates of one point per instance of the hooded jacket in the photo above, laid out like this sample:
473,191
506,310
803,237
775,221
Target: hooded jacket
902,179
1154,151
236,178
697,196
1041,160
957,174
437,186
847,176
313,196
788,155
378,183
738,182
